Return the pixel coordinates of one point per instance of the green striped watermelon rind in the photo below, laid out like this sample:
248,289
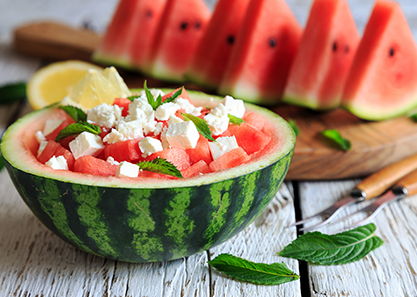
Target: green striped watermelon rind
152,220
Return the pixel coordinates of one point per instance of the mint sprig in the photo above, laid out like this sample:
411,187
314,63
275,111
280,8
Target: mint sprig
200,124
257,273
336,138
174,96
12,92
77,128
160,165
77,114
155,103
235,120
336,249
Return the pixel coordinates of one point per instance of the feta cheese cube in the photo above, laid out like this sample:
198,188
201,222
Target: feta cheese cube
114,136
127,169
174,119
182,135
42,146
112,161
142,111
131,130
165,143
188,107
104,115
217,120
166,110
39,136
150,145
57,163
234,106
222,146
51,125
86,144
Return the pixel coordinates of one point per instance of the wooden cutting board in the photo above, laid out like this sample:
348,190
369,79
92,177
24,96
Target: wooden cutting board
374,144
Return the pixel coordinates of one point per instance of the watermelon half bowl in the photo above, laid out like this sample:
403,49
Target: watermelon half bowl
145,219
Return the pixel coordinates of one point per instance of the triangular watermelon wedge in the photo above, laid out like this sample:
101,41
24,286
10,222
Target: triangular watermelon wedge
382,82
213,52
130,33
180,29
265,48
323,59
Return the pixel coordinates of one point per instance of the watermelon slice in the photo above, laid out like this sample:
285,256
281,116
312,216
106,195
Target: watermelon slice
265,47
323,59
129,36
181,27
215,47
382,82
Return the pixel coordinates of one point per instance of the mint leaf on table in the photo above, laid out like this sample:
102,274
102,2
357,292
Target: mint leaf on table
77,128
200,124
160,165
294,127
257,273
234,119
77,114
12,92
337,249
174,96
413,117
334,135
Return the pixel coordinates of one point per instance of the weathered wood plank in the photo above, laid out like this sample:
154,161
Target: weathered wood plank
389,270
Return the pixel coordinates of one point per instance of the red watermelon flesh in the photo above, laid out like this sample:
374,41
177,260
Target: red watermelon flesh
181,27
265,47
323,59
382,82
213,52
92,165
129,35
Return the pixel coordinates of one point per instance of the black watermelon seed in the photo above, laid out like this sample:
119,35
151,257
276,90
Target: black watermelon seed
272,42
391,52
230,39
149,13
184,25
347,49
197,25
334,46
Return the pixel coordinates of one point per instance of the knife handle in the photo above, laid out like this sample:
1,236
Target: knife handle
379,182
409,183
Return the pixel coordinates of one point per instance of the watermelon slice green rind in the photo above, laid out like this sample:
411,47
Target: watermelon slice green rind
139,220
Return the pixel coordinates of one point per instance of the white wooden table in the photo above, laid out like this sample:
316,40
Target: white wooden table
34,262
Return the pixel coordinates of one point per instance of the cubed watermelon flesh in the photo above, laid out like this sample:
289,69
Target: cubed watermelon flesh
95,166
382,82
124,151
323,59
230,159
176,156
124,103
200,152
55,149
265,47
198,168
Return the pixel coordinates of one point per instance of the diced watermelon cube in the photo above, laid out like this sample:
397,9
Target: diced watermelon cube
255,120
248,137
123,102
200,152
123,151
149,174
54,134
55,149
184,95
92,165
233,158
196,169
176,156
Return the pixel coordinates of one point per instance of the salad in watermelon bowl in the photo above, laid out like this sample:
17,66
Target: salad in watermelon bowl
155,176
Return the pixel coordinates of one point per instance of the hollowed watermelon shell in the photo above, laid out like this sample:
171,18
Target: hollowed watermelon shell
145,220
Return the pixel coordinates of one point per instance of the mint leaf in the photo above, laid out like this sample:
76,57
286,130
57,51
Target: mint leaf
200,124
235,120
77,128
257,273
149,96
337,249
413,117
337,139
12,92
77,114
131,98
294,127
174,96
159,165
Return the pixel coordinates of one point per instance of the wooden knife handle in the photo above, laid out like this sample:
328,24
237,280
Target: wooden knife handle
410,183
379,182
55,41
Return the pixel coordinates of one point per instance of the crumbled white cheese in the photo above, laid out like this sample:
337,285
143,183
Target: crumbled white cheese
112,161
39,136
127,169
165,143
143,112
166,110
57,163
222,146
104,115
51,125
114,136
174,119
188,107
42,146
182,135
234,106
86,144
131,130
150,145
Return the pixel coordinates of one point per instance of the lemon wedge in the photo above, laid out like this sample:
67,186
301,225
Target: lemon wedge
52,83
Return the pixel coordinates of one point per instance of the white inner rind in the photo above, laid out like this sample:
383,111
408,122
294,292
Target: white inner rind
16,150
